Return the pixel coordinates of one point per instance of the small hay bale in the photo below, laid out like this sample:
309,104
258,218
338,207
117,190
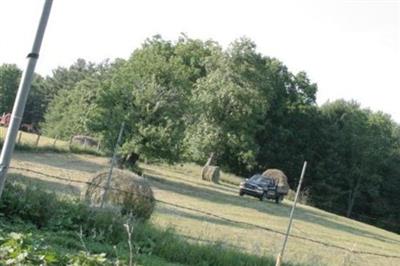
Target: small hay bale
211,173
280,178
128,192
85,140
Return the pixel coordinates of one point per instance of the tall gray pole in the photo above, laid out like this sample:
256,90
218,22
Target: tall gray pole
280,256
22,95
103,200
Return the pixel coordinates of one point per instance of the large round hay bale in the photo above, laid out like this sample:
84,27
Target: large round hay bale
128,191
211,173
84,140
280,178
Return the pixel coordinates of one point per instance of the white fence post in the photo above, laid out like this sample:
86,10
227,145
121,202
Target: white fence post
280,256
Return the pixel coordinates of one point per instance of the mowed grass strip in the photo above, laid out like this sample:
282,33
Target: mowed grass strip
174,184
181,185
25,138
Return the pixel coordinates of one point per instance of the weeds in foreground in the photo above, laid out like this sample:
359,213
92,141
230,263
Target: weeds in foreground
76,234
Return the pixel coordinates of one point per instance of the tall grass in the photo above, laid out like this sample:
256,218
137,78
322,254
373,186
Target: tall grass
62,219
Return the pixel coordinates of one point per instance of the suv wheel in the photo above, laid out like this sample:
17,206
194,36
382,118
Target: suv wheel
263,196
278,199
241,193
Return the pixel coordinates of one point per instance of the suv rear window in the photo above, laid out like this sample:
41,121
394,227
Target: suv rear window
262,180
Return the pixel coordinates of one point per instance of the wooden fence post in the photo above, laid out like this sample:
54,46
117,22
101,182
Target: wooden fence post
98,145
19,137
37,140
70,142
55,141
113,160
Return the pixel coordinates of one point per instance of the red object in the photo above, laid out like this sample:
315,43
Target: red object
5,119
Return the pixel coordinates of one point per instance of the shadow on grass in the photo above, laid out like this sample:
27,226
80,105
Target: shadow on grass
59,188
199,183
66,161
199,217
324,220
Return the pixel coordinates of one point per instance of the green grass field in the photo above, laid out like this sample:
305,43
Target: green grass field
206,213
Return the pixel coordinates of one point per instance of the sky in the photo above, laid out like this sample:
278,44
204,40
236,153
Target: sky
350,48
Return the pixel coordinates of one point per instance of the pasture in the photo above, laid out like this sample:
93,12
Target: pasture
207,213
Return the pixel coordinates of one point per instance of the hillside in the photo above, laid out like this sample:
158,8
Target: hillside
211,213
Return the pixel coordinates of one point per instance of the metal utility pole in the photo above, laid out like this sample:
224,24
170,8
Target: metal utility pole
103,200
22,95
280,256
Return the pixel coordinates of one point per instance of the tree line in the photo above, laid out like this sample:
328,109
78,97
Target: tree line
181,100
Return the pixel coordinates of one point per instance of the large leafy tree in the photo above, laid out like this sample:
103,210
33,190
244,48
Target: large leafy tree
37,101
229,105
71,103
9,80
290,124
359,147
68,113
63,78
150,93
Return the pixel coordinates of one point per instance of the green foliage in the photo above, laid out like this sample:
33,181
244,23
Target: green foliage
151,94
361,145
39,96
229,107
87,259
9,81
32,204
77,90
27,204
23,249
19,249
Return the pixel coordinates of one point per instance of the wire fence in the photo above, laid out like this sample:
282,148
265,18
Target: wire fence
216,216
37,140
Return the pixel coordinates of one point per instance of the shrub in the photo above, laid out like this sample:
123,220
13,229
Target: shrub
43,209
23,249
29,203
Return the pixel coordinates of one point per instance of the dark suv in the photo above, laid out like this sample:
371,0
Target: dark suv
260,186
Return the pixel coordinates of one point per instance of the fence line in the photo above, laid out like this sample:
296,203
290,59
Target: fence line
34,139
264,228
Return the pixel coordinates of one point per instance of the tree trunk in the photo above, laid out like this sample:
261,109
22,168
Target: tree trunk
206,165
352,196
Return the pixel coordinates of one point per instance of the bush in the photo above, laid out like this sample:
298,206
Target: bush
43,209
29,204
23,249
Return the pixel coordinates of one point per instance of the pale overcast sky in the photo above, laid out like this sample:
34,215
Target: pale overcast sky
350,48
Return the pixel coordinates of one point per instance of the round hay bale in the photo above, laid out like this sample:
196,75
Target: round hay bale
128,192
84,140
211,173
280,178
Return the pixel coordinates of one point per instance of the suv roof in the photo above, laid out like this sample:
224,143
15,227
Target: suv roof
258,178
